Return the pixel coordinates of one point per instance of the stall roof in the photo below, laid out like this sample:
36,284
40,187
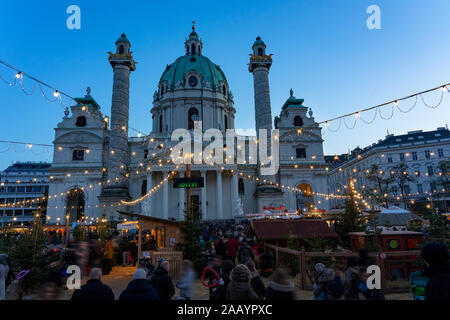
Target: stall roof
276,230
396,219
140,216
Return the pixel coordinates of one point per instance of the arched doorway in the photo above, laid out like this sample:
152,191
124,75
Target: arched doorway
305,198
75,205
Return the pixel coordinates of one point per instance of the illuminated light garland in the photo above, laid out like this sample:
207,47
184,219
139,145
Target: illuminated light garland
57,94
151,191
393,103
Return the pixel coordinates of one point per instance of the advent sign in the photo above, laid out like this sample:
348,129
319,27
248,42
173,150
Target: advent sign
184,183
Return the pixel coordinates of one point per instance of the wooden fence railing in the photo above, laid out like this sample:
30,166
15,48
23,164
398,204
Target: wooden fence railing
175,259
381,259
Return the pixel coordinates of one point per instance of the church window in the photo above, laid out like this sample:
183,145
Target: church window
298,122
193,81
145,153
121,49
224,90
260,52
81,121
78,155
162,90
143,188
241,186
301,153
193,49
192,117
225,122
160,123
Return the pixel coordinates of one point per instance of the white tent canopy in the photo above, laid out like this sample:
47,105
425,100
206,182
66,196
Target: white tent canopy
394,209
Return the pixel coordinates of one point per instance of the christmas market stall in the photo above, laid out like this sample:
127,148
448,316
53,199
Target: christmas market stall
392,239
277,232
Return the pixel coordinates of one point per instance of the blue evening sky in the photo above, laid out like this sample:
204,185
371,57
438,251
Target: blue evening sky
321,49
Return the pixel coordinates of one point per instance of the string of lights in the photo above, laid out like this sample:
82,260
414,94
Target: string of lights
57,94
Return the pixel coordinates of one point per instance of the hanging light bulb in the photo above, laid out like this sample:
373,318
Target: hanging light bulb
56,93
18,75
444,89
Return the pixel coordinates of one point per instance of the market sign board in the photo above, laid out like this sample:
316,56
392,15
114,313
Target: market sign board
187,183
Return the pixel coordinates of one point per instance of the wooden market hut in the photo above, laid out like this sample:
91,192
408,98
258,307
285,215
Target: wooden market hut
276,232
167,233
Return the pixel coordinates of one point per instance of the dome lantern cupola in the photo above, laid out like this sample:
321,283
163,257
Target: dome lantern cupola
259,47
123,45
193,44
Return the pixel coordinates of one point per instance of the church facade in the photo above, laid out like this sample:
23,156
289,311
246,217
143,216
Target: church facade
97,164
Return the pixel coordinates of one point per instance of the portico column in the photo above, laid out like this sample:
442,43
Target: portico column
181,193
219,204
203,195
234,194
165,196
147,206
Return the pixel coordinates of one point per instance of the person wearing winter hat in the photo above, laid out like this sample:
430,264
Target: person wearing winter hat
139,288
327,285
435,256
162,282
240,287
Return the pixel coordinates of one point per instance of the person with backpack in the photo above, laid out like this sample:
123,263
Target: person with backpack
327,285
245,252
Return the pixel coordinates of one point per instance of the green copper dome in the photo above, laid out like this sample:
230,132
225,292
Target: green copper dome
210,72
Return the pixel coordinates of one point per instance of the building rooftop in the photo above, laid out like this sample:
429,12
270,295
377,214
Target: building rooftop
28,166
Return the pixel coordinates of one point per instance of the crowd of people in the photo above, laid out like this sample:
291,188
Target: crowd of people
234,268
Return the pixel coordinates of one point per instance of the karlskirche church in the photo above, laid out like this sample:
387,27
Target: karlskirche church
96,164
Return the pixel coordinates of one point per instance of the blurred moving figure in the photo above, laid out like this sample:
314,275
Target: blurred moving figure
48,291
139,288
256,281
4,271
94,289
435,256
280,287
185,284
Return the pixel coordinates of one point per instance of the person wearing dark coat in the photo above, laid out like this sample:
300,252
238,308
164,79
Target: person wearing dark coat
240,287
94,289
435,256
161,281
133,246
280,287
245,252
221,250
139,288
